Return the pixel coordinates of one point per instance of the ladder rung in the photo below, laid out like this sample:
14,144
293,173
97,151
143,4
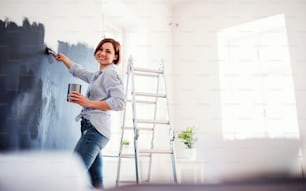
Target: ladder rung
150,94
148,70
140,128
145,74
152,121
143,101
155,151
127,181
132,155
110,155
127,155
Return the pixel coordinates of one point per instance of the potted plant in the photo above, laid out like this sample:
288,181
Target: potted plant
125,144
187,136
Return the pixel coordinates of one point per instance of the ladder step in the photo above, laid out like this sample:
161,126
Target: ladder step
127,155
146,74
152,121
111,155
146,153
132,155
143,101
139,128
147,70
127,181
155,151
150,94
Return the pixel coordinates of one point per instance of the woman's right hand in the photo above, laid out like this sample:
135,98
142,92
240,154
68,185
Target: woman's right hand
63,58
60,57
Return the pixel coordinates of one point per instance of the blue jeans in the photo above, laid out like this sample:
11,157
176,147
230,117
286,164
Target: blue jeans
88,147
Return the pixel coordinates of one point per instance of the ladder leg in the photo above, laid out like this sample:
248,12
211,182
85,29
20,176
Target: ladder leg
118,171
136,131
171,133
173,162
136,157
128,73
153,133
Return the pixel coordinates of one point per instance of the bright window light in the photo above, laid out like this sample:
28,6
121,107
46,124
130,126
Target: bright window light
257,92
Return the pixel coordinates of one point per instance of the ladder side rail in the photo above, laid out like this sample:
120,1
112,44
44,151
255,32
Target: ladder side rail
154,125
123,123
136,131
171,132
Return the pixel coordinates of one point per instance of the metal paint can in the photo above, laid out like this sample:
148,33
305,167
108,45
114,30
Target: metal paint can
73,87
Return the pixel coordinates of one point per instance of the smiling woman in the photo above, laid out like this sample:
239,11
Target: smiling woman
105,93
107,51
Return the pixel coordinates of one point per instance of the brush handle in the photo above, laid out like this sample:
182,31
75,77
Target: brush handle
50,51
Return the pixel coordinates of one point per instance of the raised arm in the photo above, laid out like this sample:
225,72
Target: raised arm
63,58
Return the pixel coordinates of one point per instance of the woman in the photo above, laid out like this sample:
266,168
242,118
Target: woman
105,93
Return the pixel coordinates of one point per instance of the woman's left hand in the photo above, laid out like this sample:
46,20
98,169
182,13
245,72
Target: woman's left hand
78,98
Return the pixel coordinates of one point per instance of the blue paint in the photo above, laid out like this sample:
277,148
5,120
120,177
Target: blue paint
33,109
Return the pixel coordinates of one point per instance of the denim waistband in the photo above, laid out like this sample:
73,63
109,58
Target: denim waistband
84,120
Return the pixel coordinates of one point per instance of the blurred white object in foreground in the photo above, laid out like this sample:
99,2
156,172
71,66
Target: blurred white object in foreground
30,171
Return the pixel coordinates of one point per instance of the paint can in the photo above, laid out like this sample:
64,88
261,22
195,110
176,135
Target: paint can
73,87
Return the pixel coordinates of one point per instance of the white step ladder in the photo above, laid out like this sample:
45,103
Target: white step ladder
139,127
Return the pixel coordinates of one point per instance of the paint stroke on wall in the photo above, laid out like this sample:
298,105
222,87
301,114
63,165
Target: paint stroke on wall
33,106
59,127
20,61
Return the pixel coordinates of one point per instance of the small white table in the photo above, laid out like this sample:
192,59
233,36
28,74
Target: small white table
190,171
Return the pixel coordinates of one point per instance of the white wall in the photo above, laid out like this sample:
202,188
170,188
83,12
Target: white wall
195,64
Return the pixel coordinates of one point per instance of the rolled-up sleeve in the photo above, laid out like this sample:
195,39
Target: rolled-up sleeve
114,86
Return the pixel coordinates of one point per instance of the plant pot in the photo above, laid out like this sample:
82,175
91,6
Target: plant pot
125,148
191,154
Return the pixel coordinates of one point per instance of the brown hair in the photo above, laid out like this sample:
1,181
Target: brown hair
115,44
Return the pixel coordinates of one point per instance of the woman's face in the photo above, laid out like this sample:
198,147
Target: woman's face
106,54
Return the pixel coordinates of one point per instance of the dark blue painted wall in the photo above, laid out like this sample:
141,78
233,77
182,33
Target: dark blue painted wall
34,112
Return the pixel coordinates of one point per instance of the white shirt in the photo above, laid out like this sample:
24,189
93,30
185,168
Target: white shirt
103,85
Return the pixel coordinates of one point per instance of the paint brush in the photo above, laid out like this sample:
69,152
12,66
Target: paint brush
50,51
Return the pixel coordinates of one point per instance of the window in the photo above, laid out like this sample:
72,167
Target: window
257,93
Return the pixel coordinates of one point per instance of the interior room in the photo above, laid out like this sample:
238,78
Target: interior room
231,72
